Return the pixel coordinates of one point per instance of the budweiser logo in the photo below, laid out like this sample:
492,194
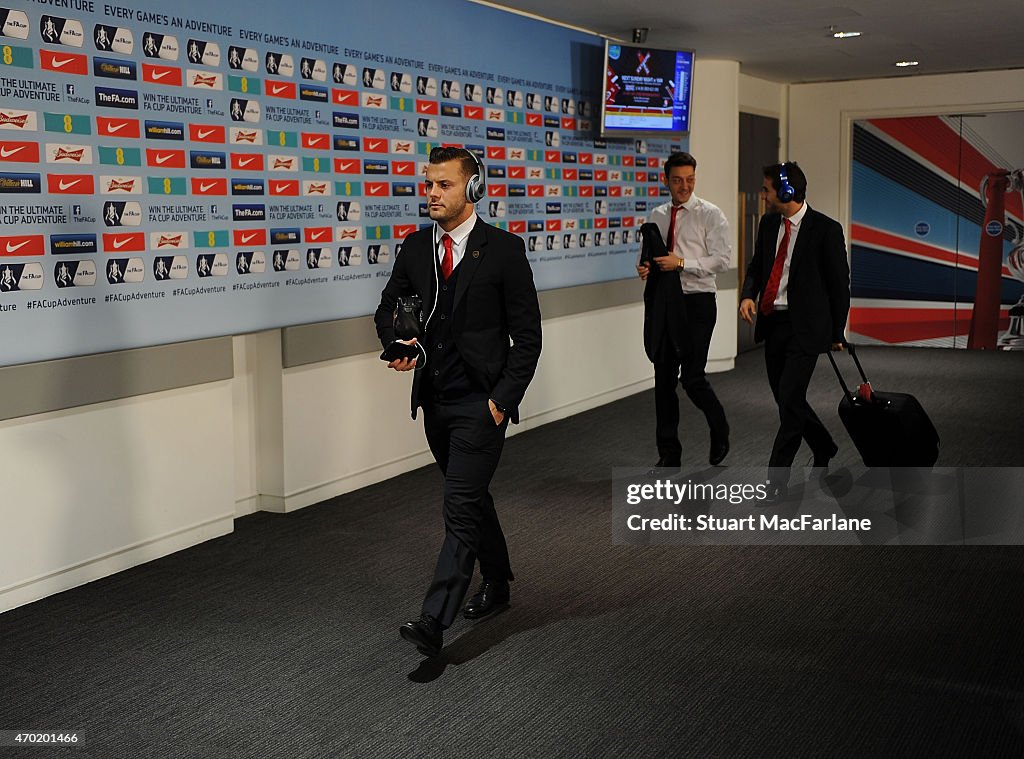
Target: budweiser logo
18,121
68,155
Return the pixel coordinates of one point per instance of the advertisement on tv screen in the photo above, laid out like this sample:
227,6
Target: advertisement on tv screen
646,91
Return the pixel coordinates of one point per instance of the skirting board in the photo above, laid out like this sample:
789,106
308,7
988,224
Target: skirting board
116,561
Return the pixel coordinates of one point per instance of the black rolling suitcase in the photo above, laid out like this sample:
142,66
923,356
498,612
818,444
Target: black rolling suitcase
889,429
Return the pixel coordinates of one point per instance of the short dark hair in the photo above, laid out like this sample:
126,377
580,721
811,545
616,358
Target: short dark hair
681,158
795,176
469,162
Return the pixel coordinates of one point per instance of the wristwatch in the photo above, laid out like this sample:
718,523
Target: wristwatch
679,263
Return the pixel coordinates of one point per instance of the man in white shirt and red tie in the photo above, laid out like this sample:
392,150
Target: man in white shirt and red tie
696,234
797,287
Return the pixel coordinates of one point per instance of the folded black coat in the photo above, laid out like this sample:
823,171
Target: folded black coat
664,313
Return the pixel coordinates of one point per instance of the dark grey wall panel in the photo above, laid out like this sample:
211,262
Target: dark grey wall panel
31,389
312,343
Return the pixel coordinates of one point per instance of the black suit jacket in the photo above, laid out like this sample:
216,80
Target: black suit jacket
819,279
496,319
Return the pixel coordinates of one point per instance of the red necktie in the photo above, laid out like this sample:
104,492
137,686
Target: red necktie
672,229
446,262
771,290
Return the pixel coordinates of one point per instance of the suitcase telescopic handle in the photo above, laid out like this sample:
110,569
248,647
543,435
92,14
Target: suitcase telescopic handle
853,352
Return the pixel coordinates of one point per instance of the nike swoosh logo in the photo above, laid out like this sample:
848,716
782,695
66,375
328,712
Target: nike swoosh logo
203,187
65,185
373,144
280,187
115,128
246,238
243,162
158,75
162,159
346,165
60,64
277,88
121,243
314,141
376,190
424,107
316,236
11,248
202,134
6,152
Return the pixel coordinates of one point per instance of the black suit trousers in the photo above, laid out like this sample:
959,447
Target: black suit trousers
790,368
467,444
670,370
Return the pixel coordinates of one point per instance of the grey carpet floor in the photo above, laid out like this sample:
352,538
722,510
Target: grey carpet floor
280,640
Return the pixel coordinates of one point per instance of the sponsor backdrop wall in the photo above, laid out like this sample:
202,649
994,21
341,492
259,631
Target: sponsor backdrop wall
171,171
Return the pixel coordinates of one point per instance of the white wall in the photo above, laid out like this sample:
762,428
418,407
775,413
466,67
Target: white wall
344,424
91,491
714,142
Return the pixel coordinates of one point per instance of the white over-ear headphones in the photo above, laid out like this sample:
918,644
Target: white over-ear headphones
476,187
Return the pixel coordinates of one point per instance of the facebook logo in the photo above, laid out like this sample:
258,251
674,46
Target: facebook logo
70,89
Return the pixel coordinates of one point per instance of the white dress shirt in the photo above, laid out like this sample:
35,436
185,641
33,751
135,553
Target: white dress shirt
459,236
702,239
782,299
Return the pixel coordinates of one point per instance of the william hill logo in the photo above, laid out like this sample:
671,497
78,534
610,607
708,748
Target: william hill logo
345,143
403,189
535,226
552,122
375,167
495,133
114,69
249,212
83,243
165,130
247,187
313,93
204,159
285,236
346,120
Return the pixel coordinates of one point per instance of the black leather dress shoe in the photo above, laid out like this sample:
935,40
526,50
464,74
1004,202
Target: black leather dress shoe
424,633
718,452
822,459
491,597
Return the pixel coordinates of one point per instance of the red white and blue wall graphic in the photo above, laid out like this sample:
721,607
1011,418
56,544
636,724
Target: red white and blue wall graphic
937,236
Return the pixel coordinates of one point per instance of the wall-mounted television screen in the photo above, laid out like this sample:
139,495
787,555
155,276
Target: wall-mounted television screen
646,91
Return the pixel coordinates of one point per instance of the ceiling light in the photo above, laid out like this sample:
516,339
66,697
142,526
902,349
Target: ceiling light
905,64
844,35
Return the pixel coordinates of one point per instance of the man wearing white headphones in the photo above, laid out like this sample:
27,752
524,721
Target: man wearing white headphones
797,287
480,345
